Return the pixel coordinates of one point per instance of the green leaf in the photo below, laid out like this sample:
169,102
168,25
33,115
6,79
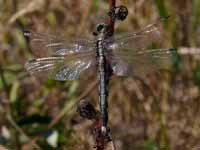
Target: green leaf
50,83
15,67
161,8
177,62
52,140
20,39
196,14
51,17
150,145
9,77
14,91
95,5
73,88
24,20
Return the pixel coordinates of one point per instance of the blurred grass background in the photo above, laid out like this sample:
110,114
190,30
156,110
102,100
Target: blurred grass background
160,112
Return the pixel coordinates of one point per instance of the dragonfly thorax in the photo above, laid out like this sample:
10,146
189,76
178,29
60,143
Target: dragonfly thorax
100,41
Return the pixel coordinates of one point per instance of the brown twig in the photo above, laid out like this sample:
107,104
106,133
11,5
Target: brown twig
112,4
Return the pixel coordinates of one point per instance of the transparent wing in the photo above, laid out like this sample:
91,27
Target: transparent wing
147,37
130,62
48,44
62,67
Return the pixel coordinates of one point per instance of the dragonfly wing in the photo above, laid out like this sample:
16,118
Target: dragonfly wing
61,67
49,44
147,37
129,62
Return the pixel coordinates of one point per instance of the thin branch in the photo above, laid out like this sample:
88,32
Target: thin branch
112,4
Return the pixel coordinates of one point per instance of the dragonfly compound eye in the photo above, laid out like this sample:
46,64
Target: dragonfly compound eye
100,27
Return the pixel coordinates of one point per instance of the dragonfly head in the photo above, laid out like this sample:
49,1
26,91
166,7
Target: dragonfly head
102,30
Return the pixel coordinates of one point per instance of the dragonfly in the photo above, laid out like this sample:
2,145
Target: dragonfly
124,55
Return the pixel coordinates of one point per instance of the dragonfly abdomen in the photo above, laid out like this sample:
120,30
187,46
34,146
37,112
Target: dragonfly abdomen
103,84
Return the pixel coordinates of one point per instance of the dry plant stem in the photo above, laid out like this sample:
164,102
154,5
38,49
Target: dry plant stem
113,145
14,2
188,51
112,4
84,18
